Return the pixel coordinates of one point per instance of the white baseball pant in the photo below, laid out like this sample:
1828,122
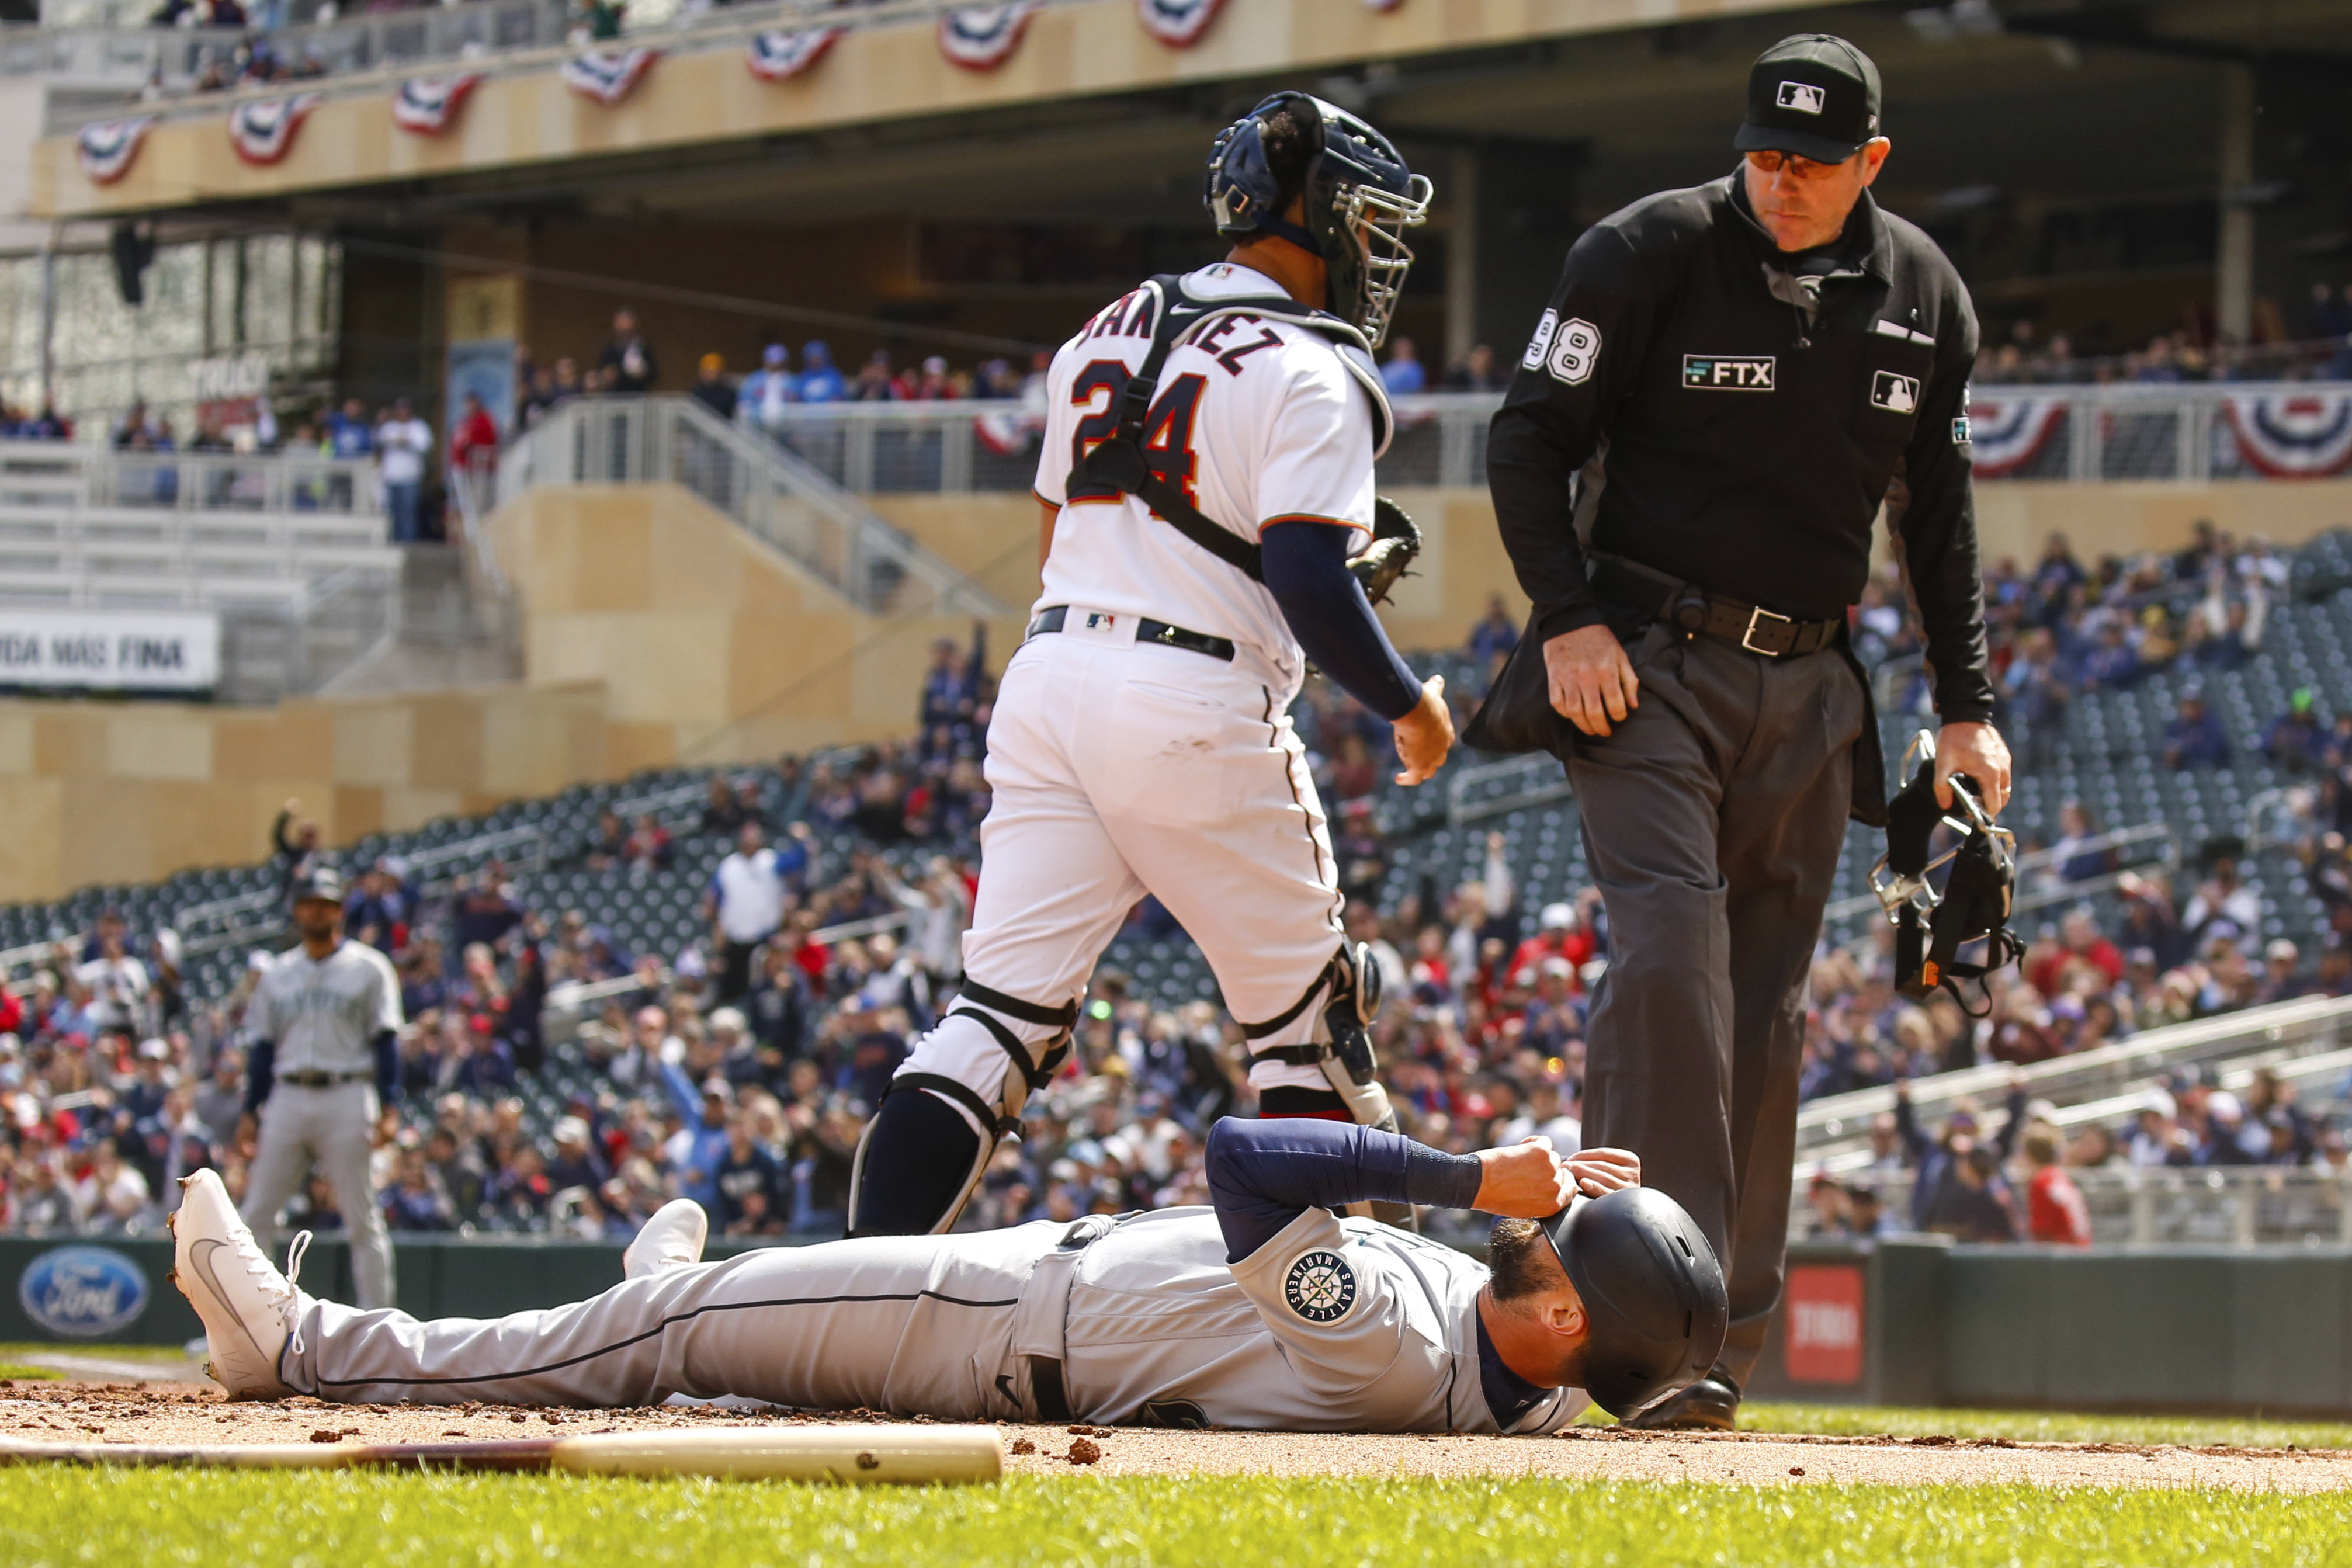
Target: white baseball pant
335,1126
1117,769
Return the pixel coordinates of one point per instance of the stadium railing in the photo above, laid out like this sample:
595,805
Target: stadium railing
770,488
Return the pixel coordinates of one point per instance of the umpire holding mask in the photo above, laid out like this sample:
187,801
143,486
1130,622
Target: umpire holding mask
1729,382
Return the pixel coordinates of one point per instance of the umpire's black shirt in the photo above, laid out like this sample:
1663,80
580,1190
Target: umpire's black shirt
1744,439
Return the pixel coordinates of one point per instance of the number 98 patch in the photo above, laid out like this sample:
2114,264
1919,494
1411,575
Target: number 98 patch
1321,1287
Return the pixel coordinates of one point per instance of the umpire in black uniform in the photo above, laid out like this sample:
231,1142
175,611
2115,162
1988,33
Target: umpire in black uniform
1729,381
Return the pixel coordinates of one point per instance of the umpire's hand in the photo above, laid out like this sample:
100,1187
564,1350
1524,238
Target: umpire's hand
1592,682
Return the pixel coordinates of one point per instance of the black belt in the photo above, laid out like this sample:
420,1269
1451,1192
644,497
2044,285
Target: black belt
1146,630
318,1079
1691,609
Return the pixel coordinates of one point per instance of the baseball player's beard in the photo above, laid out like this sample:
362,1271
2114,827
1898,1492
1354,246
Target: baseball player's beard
931,1150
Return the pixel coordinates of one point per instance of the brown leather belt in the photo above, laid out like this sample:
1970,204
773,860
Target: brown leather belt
1691,609
318,1079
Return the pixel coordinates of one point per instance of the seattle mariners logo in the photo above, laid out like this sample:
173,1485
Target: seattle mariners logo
1321,1287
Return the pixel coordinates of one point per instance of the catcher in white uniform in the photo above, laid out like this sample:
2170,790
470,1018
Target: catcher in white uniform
1208,524
1262,1311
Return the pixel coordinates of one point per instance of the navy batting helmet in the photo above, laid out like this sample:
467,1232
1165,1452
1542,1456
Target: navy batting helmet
1359,199
1652,1291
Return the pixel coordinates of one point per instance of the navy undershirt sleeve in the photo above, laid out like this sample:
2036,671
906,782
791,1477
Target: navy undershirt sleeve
1263,1174
387,1063
1306,568
260,1073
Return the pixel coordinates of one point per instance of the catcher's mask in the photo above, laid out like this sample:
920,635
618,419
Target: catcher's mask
1931,925
1359,194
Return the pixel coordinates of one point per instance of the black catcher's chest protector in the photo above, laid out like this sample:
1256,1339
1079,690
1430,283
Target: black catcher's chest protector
1974,904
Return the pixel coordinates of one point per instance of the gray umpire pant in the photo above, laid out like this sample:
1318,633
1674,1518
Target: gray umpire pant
336,1127
1713,818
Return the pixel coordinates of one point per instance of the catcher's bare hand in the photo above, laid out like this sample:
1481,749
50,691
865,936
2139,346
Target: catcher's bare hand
1424,735
1592,682
1598,1170
1526,1179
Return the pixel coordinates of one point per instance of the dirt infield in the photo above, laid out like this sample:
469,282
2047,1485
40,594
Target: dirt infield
184,1412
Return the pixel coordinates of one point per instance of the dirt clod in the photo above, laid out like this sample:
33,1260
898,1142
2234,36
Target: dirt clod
1024,1445
1085,1451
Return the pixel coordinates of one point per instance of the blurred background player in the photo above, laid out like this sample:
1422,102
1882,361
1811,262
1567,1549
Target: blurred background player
1141,740
325,1020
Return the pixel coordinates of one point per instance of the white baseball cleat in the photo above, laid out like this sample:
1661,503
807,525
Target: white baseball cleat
249,1310
673,1237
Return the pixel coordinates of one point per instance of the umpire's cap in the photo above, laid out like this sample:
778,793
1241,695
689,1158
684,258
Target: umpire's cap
1653,1292
319,883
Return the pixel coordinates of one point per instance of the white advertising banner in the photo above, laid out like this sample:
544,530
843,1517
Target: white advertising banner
136,650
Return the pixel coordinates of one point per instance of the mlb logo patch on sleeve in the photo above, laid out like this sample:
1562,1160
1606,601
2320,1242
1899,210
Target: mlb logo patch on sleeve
1802,97
1895,392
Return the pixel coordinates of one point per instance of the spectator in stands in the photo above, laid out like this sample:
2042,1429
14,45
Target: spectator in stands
2295,743
648,849
296,843
874,382
627,359
2223,907
711,388
2084,960
417,1199
768,391
2195,739
2055,1211
821,381
473,440
401,444
1494,636
747,901
2113,665
1474,371
1405,375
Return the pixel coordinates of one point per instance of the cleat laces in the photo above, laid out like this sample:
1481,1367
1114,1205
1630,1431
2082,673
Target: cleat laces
296,1251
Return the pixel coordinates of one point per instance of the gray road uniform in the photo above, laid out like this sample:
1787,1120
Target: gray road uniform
1324,1325
320,1018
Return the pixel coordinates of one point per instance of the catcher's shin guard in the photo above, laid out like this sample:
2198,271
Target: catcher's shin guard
914,1171
1341,1047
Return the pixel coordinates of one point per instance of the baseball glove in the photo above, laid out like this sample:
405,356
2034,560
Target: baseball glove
1396,541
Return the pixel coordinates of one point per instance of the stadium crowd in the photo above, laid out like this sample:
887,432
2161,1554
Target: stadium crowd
740,1070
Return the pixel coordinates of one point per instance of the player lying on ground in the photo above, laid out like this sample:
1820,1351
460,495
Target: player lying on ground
1263,1310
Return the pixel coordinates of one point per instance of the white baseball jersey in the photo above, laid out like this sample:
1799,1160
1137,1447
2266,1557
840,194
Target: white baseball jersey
1255,419
1332,1325
325,1013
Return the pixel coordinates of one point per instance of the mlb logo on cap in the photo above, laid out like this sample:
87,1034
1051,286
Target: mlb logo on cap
1802,97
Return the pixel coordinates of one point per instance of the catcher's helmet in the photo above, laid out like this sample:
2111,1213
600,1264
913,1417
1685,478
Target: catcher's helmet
1359,199
1652,1291
320,882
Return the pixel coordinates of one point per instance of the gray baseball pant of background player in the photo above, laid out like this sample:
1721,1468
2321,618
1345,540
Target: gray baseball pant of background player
1713,818
337,1127
914,1325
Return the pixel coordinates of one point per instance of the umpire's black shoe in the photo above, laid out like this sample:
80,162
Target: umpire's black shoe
1710,1404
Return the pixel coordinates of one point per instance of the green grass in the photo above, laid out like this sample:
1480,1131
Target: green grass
29,1373
2045,1426
50,1519
158,1353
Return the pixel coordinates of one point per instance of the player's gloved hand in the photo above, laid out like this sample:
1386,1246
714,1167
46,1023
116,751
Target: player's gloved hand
1526,1179
1598,1170
1592,682
1424,735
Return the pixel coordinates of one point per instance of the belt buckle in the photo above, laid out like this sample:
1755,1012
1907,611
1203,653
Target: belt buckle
1756,617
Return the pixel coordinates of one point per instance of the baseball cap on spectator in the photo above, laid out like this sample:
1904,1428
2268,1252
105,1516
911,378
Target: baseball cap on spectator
730,1019
571,1129
154,1051
2223,1106
2155,1099
2281,948
713,361
1557,917
775,355
716,1088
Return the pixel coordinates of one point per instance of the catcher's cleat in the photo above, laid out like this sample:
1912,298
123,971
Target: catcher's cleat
249,1310
673,1235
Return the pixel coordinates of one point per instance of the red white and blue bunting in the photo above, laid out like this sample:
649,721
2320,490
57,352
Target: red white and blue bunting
779,57
981,38
263,132
2300,436
1007,434
1179,23
107,150
608,75
2004,436
428,105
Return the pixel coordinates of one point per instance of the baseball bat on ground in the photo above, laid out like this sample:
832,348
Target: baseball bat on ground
862,1454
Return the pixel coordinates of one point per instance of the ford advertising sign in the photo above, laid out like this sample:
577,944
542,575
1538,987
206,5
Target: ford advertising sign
83,1293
